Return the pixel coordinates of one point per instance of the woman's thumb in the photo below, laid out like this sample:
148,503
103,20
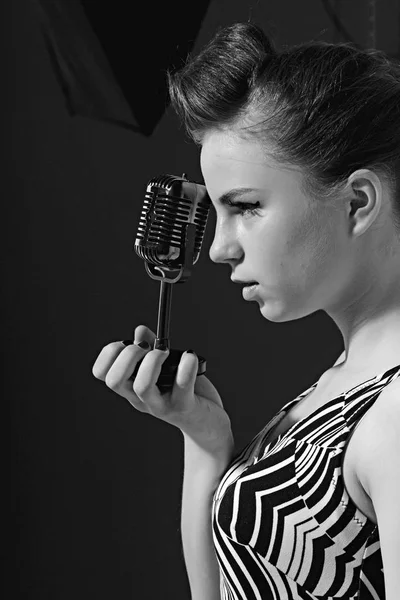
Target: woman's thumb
186,372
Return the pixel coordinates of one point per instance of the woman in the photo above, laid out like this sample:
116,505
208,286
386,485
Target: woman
300,153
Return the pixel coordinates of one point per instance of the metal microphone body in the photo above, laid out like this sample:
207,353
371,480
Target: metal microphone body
169,239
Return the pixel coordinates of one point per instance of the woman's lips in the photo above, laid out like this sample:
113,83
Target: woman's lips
249,291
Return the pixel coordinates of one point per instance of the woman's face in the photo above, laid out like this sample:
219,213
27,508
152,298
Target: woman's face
297,250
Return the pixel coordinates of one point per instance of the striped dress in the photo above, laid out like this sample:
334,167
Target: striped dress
284,526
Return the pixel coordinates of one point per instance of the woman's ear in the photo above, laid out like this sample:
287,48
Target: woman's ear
364,200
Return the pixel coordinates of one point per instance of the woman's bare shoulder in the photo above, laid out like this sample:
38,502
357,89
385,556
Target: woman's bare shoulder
378,436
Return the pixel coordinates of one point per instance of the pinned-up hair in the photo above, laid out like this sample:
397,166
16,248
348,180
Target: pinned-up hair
328,108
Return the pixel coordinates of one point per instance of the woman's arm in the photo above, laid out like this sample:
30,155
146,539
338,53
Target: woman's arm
380,475
195,407
202,474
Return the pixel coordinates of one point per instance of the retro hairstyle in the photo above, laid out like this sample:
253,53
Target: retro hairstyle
328,108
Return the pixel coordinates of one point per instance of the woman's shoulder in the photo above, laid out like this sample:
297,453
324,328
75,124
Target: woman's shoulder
379,469
377,439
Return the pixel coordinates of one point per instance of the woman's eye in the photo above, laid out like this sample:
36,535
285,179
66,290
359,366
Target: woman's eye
245,207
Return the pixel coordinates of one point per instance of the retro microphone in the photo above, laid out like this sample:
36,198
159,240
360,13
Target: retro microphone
169,239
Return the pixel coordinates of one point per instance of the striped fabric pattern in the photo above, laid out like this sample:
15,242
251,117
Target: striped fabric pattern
284,526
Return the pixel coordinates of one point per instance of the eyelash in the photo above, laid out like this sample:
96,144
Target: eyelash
243,207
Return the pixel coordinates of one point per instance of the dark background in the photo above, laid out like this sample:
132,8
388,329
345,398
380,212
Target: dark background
96,486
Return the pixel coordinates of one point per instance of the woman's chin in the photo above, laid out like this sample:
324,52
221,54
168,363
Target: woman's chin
274,311
270,311
277,312
271,308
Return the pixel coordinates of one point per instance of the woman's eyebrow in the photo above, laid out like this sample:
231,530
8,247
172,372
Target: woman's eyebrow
234,194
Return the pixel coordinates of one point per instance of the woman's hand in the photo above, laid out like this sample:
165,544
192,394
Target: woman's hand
193,405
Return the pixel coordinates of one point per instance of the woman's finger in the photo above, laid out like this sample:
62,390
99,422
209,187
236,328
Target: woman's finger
144,333
109,353
106,358
182,397
145,382
118,381
124,365
186,374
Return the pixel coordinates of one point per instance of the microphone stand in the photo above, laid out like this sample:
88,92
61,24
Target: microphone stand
164,316
166,378
167,279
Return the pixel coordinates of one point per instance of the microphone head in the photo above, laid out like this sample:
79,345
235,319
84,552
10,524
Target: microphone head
171,205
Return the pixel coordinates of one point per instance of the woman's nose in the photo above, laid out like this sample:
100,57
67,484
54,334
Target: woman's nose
225,246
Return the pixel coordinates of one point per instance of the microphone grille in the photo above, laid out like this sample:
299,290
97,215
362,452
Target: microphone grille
170,204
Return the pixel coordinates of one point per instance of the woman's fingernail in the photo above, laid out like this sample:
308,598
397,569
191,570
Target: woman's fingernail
190,352
145,345
127,342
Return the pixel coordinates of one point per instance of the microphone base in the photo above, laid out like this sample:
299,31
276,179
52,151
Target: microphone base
167,376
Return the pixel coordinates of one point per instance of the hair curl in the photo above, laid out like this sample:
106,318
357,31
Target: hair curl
328,108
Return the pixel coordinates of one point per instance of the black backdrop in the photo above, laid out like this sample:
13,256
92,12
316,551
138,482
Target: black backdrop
96,487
